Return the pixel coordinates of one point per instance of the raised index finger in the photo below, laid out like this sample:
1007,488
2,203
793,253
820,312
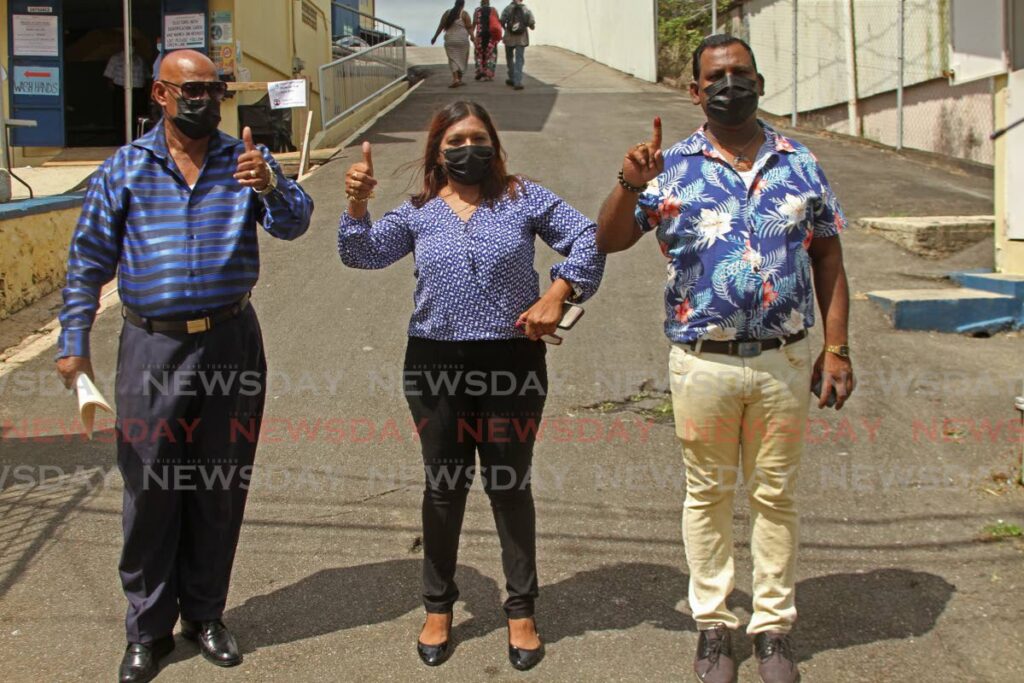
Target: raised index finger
656,137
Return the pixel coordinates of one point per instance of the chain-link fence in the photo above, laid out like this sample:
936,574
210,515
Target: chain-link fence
872,68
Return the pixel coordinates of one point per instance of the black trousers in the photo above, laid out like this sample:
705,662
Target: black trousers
189,409
483,397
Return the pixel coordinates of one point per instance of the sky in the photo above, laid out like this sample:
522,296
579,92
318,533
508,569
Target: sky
418,17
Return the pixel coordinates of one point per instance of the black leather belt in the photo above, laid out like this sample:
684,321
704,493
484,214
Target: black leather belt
186,326
746,349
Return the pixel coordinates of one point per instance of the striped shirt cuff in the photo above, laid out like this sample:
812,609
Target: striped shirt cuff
73,343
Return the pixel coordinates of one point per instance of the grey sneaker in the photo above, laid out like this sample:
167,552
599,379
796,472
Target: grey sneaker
776,661
714,662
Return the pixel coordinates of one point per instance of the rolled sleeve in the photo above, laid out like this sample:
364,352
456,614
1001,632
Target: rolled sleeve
648,214
572,235
285,213
829,219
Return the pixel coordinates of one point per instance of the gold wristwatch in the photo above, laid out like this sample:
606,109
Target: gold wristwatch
841,350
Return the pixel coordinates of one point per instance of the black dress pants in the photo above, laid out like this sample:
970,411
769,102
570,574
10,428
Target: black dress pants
189,409
472,397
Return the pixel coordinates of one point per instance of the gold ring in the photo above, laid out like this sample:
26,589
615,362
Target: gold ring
252,173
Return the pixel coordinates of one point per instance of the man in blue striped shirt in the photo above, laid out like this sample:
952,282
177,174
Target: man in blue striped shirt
174,214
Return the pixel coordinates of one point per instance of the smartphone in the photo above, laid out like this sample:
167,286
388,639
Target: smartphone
571,314
816,390
552,339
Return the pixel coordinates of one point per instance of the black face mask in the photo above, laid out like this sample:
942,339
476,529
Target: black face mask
470,164
197,118
731,100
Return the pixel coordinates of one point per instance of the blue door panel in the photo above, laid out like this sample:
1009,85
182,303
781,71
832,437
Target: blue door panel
36,81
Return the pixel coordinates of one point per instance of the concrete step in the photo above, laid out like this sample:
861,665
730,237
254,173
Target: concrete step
997,283
931,236
949,310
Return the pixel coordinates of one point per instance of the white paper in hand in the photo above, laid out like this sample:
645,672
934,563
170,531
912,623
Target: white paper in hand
89,399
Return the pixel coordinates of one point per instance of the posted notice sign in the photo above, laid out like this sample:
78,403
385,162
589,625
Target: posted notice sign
35,35
37,80
183,31
287,94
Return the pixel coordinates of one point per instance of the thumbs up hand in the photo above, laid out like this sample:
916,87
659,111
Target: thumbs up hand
645,162
252,171
359,180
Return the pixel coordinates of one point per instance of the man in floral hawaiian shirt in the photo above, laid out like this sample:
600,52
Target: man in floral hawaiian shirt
750,228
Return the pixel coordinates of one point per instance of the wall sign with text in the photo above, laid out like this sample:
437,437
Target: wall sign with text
37,80
35,35
185,31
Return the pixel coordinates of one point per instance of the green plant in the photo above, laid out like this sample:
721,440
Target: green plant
1002,530
682,24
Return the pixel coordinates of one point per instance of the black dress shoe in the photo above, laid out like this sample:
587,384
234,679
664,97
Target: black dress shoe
523,659
141,663
436,655
215,641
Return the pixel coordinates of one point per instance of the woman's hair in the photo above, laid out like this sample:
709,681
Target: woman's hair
454,14
494,185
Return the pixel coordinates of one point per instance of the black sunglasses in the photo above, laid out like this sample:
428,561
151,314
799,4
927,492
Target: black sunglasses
197,90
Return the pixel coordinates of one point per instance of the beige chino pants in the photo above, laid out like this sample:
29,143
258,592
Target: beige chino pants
744,415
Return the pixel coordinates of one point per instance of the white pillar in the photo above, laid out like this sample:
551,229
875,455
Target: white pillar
851,75
129,60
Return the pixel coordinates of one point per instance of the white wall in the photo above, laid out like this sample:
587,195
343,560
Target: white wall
618,33
822,61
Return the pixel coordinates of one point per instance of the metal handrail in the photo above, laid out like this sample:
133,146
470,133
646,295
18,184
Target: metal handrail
329,87
362,54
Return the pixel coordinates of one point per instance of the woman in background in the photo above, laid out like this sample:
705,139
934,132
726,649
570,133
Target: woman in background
456,26
478,310
487,36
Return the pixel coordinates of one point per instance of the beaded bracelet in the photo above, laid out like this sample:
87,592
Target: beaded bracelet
635,189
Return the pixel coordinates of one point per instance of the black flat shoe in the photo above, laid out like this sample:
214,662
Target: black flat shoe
436,655
523,659
141,663
215,641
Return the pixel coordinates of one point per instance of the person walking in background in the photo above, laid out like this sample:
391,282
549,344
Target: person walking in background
518,22
478,312
174,215
115,75
487,36
456,26
750,227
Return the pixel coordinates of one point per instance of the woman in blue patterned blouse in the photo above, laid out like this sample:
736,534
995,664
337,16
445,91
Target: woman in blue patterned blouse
475,375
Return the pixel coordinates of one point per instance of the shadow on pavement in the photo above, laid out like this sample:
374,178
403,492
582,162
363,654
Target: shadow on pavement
836,611
614,598
43,479
843,610
342,598
513,110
